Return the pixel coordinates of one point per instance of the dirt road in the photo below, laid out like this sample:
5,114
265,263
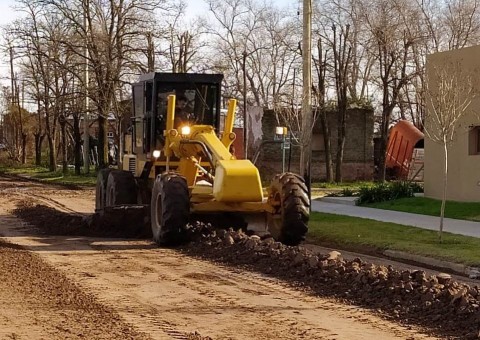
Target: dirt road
98,288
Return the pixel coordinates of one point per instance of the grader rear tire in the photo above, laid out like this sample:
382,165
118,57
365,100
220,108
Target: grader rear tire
170,209
101,189
288,194
121,188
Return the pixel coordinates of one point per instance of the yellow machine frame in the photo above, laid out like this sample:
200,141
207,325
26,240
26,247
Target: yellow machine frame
191,175
236,185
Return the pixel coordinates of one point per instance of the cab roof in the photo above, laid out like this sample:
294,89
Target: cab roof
182,77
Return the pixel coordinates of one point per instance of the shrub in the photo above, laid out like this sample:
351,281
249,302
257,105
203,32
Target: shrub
416,187
387,191
346,192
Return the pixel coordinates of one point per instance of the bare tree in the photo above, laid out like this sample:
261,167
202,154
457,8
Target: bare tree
443,25
320,64
291,116
462,22
182,41
19,141
40,36
268,37
393,45
350,12
450,92
112,33
342,55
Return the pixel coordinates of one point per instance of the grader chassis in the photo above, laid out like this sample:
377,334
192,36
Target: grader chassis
178,171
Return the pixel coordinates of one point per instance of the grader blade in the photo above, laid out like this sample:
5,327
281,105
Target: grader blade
128,220
257,223
252,223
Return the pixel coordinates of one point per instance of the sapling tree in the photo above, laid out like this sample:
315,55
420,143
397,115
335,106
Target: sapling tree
450,91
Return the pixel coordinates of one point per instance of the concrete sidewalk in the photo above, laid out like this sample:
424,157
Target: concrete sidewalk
453,226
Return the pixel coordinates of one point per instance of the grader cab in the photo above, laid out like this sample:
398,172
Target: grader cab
178,167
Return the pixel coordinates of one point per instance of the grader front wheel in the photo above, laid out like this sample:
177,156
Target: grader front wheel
288,195
170,208
121,188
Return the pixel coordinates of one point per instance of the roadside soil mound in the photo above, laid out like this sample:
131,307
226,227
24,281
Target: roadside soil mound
50,221
62,309
437,302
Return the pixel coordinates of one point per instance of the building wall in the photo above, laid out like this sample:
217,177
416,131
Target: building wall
464,168
358,153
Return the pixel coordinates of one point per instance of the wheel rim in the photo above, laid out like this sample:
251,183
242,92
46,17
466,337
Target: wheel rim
98,198
275,220
102,197
111,196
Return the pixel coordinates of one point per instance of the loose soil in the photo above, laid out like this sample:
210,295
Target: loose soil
62,280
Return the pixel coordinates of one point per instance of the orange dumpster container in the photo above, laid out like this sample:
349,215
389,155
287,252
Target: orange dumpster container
403,139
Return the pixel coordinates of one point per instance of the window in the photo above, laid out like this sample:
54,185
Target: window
200,101
138,101
474,141
110,134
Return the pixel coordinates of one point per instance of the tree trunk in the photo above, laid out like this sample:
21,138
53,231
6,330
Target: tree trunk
64,150
77,153
328,146
342,122
386,114
102,141
383,157
120,143
38,148
17,146
302,160
24,148
52,164
444,195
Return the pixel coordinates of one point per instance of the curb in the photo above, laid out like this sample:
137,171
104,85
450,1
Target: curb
461,269
340,200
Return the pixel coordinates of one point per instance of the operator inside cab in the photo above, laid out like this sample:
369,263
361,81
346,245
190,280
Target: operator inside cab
193,105
183,114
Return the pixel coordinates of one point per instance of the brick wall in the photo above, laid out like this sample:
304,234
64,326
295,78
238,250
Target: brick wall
358,154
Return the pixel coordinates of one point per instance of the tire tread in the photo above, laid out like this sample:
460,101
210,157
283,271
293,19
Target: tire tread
175,199
295,206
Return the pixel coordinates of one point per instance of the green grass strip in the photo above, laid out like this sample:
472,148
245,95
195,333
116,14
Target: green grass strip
364,234
428,206
44,174
344,185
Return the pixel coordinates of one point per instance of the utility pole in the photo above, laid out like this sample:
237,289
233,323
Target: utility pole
23,133
86,135
245,117
307,115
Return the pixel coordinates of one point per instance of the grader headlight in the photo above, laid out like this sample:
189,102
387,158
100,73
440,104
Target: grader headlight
156,154
185,131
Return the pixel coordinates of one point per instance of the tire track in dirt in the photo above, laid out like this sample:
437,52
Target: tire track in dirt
161,330
38,301
41,199
219,297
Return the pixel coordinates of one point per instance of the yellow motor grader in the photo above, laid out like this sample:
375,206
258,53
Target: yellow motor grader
178,167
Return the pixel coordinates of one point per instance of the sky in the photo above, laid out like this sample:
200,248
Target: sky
195,7
7,14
